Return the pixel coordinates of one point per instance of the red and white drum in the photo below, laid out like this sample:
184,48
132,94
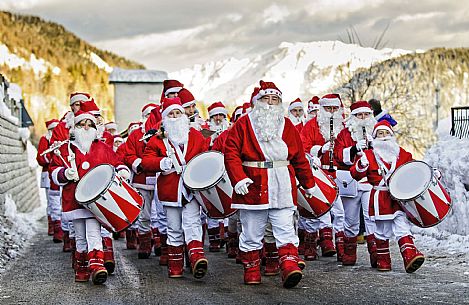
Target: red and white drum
324,197
206,176
420,194
114,203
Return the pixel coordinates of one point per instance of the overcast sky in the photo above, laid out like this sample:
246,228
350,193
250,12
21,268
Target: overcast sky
170,35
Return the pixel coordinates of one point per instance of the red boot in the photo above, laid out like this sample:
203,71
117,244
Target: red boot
252,267
66,239
58,233
301,237
199,263
350,251
175,261
156,241
291,273
325,242
383,257
214,239
82,273
50,226
164,250
339,245
144,246
109,262
97,269
371,243
413,258
310,246
131,239
272,265
73,247
232,245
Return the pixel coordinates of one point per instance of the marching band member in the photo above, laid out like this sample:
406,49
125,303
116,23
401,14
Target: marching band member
263,153
378,165
313,108
318,138
54,210
296,114
171,88
168,155
83,153
350,143
189,105
103,134
111,127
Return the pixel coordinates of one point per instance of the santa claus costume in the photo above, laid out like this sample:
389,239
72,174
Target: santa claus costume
168,155
263,156
378,165
296,114
111,127
350,143
190,108
54,208
316,137
84,153
313,108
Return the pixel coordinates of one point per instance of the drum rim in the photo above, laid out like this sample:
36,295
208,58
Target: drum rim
211,185
103,191
427,185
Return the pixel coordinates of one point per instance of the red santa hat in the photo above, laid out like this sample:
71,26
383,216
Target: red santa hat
118,138
133,126
383,125
217,108
268,88
81,115
147,109
313,104
360,107
170,104
247,107
186,97
79,97
295,104
51,124
237,113
153,119
254,93
110,125
331,100
90,106
171,86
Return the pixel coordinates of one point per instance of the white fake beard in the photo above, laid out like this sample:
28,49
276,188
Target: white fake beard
177,129
324,122
49,134
355,126
84,138
295,120
224,124
310,116
267,120
386,148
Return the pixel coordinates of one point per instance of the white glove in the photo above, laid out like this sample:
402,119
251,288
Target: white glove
369,138
166,164
310,192
241,188
326,147
361,145
71,174
317,161
364,160
437,173
124,174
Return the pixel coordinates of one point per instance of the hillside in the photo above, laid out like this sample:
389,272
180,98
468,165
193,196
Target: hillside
49,62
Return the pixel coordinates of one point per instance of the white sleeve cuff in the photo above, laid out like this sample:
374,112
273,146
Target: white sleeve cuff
315,150
136,164
347,158
360,170
54,175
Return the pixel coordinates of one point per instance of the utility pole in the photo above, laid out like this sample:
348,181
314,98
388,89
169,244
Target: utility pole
437,105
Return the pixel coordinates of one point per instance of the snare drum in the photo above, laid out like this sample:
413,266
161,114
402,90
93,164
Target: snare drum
113,201
419,193
206,177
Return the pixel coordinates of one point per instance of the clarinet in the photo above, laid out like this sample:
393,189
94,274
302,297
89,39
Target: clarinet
365,137
331,148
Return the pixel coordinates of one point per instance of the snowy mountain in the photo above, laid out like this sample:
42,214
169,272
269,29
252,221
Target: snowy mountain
301,69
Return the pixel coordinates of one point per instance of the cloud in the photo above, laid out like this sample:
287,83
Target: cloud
23,4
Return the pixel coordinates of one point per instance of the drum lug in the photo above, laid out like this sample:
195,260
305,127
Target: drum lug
103,197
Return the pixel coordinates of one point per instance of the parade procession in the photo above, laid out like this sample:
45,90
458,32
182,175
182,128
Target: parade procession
271,186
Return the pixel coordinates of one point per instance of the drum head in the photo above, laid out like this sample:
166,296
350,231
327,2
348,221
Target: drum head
204,170
410,180
94,183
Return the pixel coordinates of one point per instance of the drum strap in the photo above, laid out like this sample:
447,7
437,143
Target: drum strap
171,155
385,172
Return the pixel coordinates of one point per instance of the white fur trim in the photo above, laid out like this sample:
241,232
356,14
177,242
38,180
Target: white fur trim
52,125
325,102
383,127
136,163
238,112
122,167
171,108
54,177
110,126
313,107
146,111
77,214
188,104
79,98
84,116
172,90
295,105
240,206
362,110
267,92
347,158
218,110
359,169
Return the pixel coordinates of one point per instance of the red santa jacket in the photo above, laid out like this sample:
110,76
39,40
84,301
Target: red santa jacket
120,152
60,133
43,160
133,158
219,143
169,184
242,145
299,127
345,151
99,153
107,138
381,206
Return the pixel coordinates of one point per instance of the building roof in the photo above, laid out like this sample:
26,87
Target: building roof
137,76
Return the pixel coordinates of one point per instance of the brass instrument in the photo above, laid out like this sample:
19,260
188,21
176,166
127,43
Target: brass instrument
331,147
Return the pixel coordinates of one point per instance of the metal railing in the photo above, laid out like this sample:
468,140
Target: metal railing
460,122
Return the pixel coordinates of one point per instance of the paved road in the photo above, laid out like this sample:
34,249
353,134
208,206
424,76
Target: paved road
44,276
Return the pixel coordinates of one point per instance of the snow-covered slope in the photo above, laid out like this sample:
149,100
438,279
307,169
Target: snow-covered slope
300,69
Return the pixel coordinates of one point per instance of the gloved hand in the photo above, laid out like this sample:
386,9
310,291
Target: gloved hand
310,192
124,174
166,164
364,160
437,173
326,147
71,174
241,188
317,161
361,145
